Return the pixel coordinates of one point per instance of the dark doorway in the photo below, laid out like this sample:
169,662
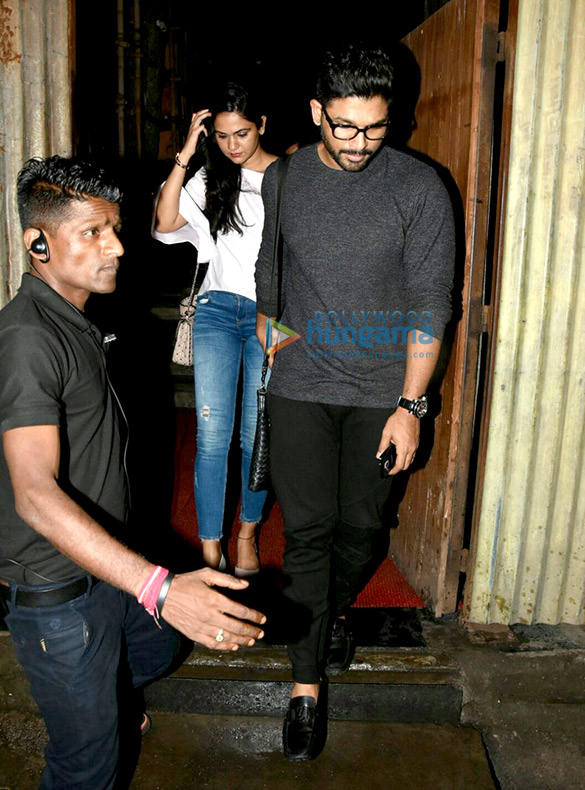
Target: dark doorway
142,67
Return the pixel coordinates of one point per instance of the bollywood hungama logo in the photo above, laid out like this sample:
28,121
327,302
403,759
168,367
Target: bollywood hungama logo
279,336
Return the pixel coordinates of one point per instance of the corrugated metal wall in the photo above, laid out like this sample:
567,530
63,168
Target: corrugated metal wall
35,119
530,551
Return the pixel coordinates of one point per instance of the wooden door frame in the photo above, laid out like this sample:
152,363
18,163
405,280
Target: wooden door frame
477,323
472,347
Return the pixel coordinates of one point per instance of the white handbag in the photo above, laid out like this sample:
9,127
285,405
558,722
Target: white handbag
183,350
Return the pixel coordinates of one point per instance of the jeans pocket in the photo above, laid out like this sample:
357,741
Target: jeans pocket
59,637
50,644
65,637
203,298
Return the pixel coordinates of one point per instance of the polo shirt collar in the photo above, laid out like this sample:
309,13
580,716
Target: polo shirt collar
41,292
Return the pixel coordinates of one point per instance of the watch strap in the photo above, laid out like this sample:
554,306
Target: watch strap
417,406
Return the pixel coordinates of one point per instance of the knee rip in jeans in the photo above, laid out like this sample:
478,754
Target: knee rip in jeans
205,412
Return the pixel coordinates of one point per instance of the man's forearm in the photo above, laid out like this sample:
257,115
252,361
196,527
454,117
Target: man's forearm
192,604
33,458
420,365
54,515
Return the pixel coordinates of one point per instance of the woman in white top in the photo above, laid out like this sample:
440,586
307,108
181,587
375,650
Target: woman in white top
220,211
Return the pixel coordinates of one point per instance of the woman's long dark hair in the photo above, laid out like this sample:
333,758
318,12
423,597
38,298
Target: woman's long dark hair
223,178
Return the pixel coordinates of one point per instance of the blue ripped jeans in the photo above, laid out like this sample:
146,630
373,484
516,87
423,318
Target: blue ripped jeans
224,340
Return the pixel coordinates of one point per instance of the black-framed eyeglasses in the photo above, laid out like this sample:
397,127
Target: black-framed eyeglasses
344,131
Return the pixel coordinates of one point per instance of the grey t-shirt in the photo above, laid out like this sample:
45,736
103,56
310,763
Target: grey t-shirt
367,256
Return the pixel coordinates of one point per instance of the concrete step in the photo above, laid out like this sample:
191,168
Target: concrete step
229,752
400,685
219,752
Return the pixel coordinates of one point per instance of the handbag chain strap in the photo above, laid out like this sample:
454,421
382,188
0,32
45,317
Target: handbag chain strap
193,291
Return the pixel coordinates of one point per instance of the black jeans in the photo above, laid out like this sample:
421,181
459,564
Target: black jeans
327,478
82,659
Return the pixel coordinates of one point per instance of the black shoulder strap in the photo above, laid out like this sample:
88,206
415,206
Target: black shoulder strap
281,169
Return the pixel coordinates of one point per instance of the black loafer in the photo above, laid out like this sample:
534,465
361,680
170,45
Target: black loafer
341,649
302,734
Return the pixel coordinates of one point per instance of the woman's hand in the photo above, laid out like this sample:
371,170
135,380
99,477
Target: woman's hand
195,130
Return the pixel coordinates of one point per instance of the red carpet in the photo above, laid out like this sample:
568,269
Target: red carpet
387,588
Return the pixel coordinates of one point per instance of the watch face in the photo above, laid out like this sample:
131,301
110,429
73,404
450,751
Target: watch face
417,407
420,408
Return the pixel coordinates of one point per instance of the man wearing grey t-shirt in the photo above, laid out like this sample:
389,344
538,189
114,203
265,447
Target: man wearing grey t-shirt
368,248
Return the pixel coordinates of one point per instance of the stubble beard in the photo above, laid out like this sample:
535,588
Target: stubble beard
350,167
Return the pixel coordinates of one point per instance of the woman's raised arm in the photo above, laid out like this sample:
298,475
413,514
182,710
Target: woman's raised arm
168,218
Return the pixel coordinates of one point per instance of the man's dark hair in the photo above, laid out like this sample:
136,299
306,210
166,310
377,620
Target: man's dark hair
46,188
355,69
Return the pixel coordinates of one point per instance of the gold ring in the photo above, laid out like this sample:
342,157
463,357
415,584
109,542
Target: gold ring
219,636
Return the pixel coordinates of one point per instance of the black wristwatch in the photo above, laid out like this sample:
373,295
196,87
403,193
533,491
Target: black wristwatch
418,407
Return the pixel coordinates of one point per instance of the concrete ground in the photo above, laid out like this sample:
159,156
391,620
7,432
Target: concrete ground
219,752
227,752
529,703
523,699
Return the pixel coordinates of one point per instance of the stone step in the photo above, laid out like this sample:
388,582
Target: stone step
400,685
225,752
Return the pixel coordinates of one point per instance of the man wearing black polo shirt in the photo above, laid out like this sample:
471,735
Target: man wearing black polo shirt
69,586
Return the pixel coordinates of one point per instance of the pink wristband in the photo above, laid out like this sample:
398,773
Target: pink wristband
150,590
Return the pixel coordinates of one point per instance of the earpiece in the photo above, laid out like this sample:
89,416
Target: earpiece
40,246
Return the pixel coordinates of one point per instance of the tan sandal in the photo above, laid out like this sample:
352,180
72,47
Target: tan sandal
222,563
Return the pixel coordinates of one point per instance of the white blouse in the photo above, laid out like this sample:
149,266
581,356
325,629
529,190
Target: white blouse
232,259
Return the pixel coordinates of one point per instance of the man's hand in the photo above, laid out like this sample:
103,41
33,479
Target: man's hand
193,607
403,430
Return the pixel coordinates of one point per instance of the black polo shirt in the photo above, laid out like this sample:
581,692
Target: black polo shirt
52,372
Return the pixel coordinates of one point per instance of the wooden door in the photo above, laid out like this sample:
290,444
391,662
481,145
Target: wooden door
458,125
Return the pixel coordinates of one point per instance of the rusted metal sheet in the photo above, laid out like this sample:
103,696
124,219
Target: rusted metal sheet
35,93
457,50
529,558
